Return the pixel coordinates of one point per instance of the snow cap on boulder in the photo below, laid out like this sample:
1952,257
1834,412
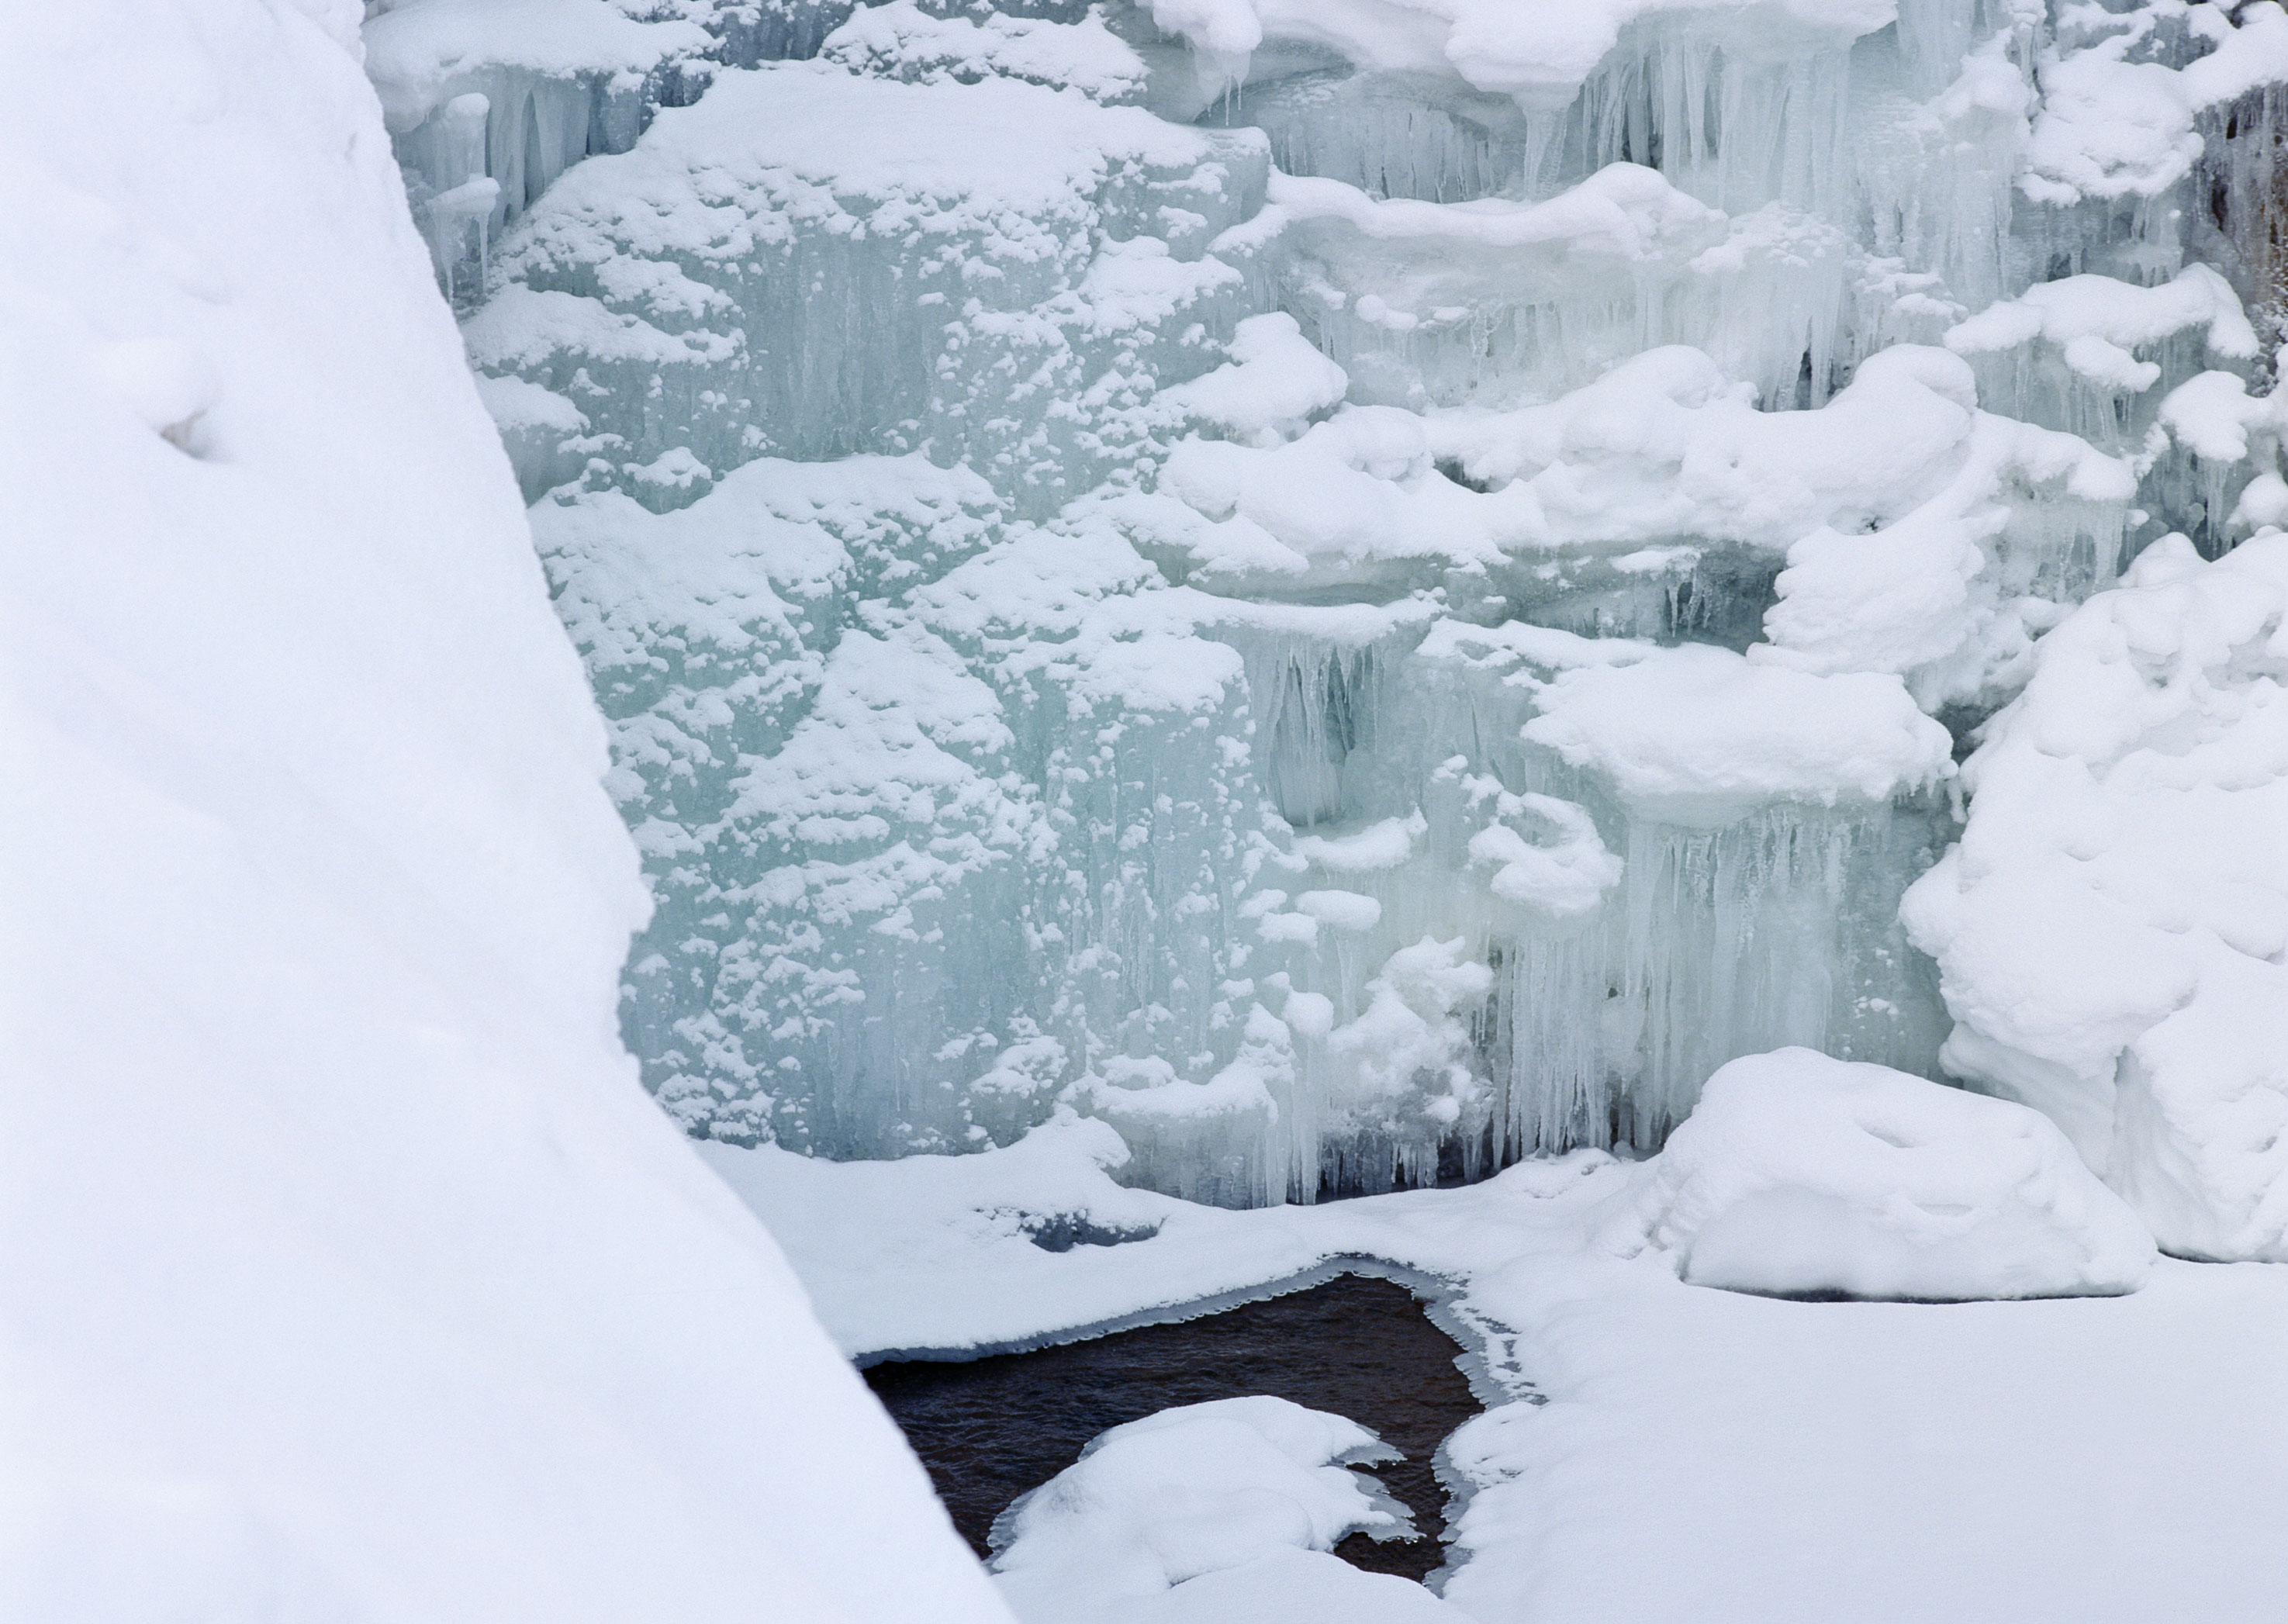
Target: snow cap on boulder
1798,1174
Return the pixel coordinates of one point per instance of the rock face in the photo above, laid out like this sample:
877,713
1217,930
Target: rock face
1797,1175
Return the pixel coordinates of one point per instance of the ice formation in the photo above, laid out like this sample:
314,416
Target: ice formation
1357,591
346,1270
1797,1174
1209,1512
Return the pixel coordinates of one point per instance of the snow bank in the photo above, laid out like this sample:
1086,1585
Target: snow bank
1797,1173
1495,299
1274,385
347,1273
2111,929
1923,537
1208,1492
1295,1587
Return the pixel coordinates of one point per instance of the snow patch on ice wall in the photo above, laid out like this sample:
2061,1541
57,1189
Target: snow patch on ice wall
1357,591
345,1272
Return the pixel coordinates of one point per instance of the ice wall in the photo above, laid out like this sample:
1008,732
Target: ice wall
1359,591
487,103
345,1272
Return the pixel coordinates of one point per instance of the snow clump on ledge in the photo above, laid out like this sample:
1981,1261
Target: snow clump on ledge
2112,930
1209,1511
1697,735
1798,1174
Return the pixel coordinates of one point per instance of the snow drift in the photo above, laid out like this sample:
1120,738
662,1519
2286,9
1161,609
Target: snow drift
346,1270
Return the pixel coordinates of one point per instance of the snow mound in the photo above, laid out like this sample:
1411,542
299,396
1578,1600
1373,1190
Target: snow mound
2112,928
1799,1174
1232,1496
2115,122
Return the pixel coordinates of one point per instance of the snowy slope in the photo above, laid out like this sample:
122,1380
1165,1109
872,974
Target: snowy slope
345,1272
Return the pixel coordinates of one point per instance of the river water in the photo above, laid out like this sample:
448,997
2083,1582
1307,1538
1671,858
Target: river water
990,1429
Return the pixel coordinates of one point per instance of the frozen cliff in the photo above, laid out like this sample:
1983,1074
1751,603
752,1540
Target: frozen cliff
1355,591
1359,591
346,1270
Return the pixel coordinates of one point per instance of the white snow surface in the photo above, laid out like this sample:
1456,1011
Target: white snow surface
2114,1459
1213,1491
1798,1174
345,1272
2112,927
1089,622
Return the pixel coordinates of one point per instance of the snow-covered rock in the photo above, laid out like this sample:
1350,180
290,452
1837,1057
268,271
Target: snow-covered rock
1241,1497
346,1270
1800,1174
2112,927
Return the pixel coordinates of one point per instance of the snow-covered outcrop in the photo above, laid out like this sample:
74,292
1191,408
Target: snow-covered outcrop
1797,1175
346,1270
2112,927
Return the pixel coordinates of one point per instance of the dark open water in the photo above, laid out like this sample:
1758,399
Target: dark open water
989,1428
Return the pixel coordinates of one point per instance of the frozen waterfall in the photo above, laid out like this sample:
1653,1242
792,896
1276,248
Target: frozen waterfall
1358,591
